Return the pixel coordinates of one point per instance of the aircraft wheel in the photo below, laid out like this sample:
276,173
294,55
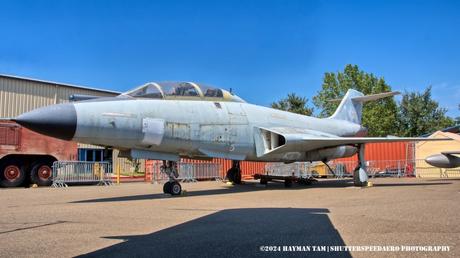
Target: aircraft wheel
356,180
176,188
167,188
234,175
231,175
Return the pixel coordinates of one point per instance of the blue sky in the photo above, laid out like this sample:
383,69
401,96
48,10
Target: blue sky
261,49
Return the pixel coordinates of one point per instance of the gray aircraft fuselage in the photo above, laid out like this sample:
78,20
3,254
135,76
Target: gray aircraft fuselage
192,128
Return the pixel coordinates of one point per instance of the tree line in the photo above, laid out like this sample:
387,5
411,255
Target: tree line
416,114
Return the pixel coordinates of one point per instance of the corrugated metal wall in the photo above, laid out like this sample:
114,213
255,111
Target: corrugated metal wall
18,95
384,151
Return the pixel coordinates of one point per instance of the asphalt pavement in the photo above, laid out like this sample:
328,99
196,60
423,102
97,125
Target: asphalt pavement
214,219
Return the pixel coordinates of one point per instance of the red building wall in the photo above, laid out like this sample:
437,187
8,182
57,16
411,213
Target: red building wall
384,151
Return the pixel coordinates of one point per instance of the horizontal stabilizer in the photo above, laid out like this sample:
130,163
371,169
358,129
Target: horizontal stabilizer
375,96
450,152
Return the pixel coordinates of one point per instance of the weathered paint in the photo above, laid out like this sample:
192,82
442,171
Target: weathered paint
225,132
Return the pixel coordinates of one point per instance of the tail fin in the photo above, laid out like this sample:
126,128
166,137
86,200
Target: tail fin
351,106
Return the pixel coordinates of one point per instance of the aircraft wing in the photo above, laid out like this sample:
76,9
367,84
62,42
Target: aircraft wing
450,152
328,142
282,140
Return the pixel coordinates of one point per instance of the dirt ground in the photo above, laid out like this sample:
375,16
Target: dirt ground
214,219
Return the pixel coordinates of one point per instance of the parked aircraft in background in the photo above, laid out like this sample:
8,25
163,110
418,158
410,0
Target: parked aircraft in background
446,159
167,121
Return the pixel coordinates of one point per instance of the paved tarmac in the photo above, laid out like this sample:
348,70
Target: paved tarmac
214,219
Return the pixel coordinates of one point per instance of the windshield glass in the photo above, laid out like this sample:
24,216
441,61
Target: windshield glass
173,90
211,92
178,89
150,90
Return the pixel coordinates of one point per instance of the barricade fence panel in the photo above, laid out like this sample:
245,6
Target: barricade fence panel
425,170
188,172
76,172
374,168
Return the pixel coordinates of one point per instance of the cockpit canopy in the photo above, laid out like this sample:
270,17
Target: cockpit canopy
181,90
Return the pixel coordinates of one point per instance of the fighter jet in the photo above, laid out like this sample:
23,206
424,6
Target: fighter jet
446,159
167,121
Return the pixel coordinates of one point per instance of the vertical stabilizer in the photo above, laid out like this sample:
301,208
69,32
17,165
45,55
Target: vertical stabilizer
351,106
348,109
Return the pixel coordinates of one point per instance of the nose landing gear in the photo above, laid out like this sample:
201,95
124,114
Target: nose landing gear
171,187
234,173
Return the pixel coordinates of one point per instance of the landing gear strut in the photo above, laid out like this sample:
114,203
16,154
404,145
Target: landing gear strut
172,186
360,177
234,173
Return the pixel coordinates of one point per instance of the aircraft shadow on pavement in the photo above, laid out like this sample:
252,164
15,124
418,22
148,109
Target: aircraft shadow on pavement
234,233
248,187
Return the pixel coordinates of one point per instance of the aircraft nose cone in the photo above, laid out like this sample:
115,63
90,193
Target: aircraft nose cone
432,160
59,121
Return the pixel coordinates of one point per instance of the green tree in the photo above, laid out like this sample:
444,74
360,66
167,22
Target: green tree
457,119
380,117
419,114
294,104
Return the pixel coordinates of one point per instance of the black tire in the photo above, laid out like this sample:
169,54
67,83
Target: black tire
12,175
41,174
231,175
263,181
237,176
287,183
234,175
356,180
167,188
175,188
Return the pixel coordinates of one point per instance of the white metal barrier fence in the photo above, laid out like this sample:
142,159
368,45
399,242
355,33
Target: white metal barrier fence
74,172
375,168
306,169
189,172
296,169
425,170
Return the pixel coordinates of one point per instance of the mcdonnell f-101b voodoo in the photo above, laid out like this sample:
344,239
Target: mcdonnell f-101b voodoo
167,121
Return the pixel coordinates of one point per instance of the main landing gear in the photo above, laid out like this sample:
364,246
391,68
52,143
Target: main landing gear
171,187
360,177
234,173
